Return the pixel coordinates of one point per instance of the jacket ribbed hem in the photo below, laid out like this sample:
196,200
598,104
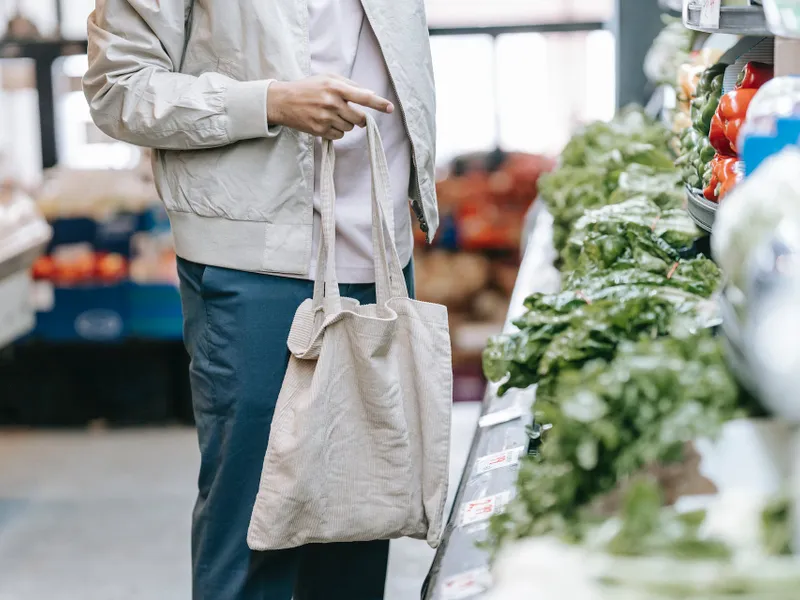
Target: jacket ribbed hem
254,246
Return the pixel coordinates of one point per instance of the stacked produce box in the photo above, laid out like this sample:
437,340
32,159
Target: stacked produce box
109,272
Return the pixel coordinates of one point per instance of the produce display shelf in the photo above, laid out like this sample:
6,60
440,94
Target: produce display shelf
461,567
734,20
702,211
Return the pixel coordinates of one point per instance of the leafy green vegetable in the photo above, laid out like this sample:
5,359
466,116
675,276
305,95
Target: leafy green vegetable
562,331
697,276
662,186
675,227
612,419
630,126
569,191
608,163
776,524
648,529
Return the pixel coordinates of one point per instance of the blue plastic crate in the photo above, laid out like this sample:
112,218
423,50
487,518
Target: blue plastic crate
109,235
114,234
77,230
155,312
86,313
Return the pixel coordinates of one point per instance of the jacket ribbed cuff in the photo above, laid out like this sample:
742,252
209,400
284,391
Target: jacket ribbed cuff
245,103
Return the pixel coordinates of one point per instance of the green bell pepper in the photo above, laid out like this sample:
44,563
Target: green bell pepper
703,108
708,77
706,150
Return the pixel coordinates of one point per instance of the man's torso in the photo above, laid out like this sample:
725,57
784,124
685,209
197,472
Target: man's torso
252,203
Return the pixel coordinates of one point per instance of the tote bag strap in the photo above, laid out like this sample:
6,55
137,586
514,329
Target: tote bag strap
389,279
326,285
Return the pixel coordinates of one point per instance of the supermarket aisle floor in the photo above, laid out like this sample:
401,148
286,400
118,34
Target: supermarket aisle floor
105,515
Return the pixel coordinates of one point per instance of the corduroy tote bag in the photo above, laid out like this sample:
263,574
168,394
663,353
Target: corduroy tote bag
359,446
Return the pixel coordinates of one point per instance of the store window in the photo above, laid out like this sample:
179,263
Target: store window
81,145
524,91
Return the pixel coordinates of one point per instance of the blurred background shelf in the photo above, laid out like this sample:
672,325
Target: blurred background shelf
671,7
733,20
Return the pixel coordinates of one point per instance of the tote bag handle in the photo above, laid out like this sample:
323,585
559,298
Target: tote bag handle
389,280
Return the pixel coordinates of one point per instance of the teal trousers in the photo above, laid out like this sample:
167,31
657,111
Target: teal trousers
235,328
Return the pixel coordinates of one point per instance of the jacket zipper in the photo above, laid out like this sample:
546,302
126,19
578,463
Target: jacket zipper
416,205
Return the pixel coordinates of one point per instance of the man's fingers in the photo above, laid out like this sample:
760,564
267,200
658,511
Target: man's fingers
342,124
353,115
334,134
344,79
366,98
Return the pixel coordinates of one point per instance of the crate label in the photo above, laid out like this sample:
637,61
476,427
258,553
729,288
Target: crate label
99,325
466,585
709,13
483,509
498,460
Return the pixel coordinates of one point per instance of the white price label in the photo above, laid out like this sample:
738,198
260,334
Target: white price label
483,509
709,13
514,411
466,585
498,460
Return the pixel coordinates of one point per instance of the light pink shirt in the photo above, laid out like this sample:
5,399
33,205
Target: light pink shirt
343,43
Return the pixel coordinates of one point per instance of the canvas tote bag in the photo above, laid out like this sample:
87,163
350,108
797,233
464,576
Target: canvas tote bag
359,446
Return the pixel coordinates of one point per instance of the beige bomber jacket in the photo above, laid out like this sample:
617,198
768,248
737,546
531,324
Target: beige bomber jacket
188,79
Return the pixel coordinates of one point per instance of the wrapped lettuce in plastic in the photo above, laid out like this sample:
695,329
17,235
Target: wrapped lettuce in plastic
674,227
631,126
662,185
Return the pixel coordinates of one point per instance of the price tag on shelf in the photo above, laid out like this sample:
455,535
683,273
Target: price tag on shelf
709,13
498,460
466,585
484,508
515,411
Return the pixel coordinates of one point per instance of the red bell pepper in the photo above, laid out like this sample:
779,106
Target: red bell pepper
754,75
718,139
723,178
732,111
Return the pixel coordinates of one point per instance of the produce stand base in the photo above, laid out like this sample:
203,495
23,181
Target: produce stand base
460,564
68,384
702,211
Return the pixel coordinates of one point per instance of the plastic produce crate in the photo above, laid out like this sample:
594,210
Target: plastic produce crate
109,235
86,313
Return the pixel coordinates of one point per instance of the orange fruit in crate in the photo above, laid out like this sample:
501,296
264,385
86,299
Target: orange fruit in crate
111,268
44,268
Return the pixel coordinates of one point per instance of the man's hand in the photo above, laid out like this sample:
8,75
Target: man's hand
322,105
